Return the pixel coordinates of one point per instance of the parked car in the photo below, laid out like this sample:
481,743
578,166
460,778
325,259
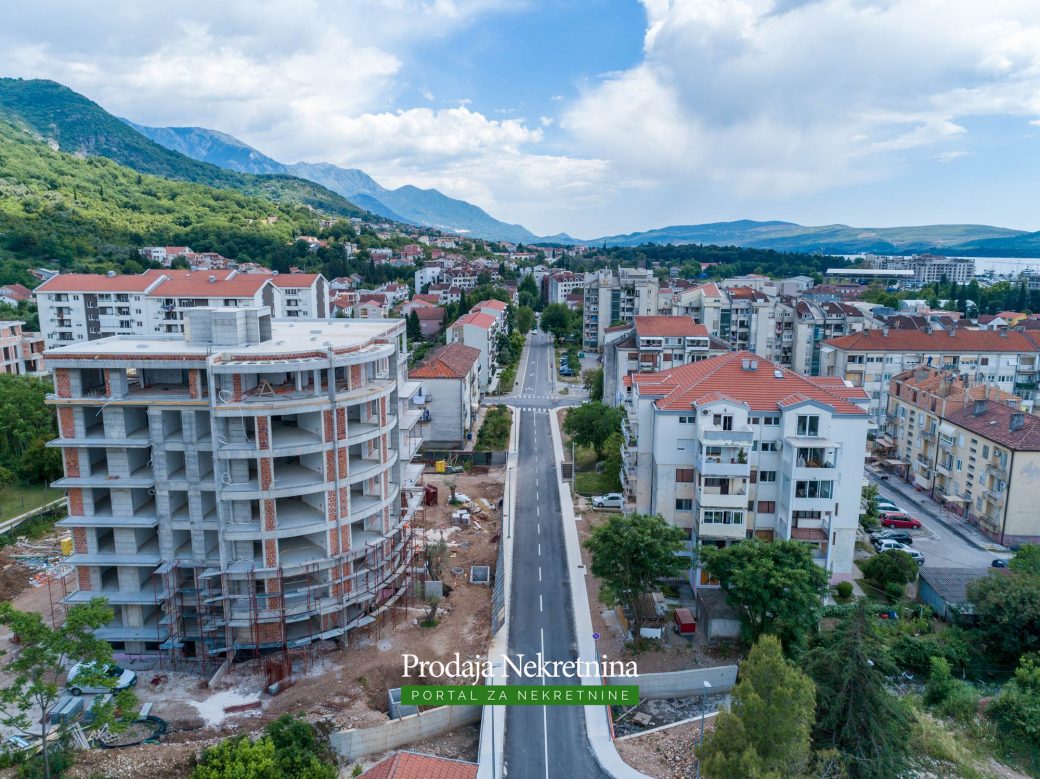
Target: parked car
899,519
901,536
612,500
999,563
885,544
123,679
566,372
918,557
887,505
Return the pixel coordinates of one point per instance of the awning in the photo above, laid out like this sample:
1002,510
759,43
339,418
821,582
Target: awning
954,499
947,430
896,462
922,481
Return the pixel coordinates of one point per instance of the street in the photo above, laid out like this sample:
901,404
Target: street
544,741
941,547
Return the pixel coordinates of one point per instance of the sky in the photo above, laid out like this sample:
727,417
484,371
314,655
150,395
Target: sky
592,117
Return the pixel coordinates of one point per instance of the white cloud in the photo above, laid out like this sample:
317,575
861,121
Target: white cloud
784,98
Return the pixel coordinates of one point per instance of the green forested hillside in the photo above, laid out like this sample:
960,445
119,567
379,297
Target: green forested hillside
81,214
77,125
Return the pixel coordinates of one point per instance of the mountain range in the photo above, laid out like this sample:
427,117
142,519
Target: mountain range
71,122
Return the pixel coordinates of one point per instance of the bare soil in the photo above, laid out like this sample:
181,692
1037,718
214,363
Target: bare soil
664,754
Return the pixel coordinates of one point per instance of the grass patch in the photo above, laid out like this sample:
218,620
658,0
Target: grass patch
494,432
933,742
17,500
592,483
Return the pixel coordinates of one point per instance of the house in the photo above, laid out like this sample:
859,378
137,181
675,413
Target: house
446,293
431,320
450,377
372,305
735,446
945,590
495,308
343,304
13,294
304,295
395,293
481,332
412,765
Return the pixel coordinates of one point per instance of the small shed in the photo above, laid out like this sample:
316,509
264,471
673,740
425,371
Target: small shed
946,591
715,617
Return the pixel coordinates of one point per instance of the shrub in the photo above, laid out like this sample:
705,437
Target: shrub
914,653
844,590
894,591
951,697
894,566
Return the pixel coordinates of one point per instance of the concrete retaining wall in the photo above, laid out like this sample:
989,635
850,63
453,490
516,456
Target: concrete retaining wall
680,684
356,744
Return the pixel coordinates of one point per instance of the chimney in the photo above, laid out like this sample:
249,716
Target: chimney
754,365
111,274
952,331
884,332
212,279
980,408
1003,332
745,364
1018,419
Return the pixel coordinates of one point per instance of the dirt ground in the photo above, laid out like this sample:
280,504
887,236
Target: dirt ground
664,754
337,688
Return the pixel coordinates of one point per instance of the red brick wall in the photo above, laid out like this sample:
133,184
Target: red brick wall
83,574
194,390
108,384
355,376
67,422
330,465
71,457
382,412
327,425
263,432
345,537
344,507
342,463
269,515
76,502
265,473
63,382
341,423
79,540
330,505
270,553
236,387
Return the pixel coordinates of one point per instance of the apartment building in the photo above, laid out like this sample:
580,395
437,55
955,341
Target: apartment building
870,359
238,488
480,331
741,316
84,307
450,379
304,295
616,298
928,268
19,351
651,344
801,327
559,285
735,446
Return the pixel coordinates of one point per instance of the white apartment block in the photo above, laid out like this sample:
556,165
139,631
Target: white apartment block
304,295
562,283
238,488
19,351
611,298
450,378
872,358
480,331
734,447
740,316
801,327
928,268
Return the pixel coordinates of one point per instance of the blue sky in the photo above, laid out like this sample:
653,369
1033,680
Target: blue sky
594,117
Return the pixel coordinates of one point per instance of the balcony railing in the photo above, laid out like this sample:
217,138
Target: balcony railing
993,495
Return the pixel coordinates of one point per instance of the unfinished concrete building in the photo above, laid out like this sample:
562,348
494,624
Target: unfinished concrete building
242,488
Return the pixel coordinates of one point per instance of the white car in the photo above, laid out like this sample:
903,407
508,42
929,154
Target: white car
612,500
887,506
886,544
123,679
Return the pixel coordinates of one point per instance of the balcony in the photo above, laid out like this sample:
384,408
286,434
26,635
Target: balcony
629,455
738,437
723,466
993,496
628,431
713,498
708,530
998,470
100,477
943,468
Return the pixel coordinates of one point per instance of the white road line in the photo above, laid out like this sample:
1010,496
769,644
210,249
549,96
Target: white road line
539,573
539,550
545,716
539,528
537,511
540,603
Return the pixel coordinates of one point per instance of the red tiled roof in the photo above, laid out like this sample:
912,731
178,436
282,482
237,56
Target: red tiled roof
498,305
452,361
91,282
18,291
411,765
198,284
994,423
427,298
295,279
679,388
961,340
430,313
483,321
669,326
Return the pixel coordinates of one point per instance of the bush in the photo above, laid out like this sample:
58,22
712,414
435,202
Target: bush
951,697
844,590
892,567
894,591
915,653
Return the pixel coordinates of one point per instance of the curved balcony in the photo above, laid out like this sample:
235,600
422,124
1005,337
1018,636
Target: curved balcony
289,480
293,518
359,469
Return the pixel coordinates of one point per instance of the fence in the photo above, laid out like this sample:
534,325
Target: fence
458,457
680,684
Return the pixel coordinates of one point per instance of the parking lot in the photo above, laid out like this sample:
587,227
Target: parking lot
941,546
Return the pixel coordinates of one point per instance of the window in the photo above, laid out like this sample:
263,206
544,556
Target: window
808,425
766,446
684,504
767,421
754,420
684,474
717,517
725,421
766,506
767,476
985,452
687,420
814,489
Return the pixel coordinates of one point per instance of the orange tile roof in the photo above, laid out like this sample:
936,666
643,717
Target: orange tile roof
669,326
994,423
91,282
198,284
412,765
958,340
430,313
294,279
452,361
483,321
724,376
498,305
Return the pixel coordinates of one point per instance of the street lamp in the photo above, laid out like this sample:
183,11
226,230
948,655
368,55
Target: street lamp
704,710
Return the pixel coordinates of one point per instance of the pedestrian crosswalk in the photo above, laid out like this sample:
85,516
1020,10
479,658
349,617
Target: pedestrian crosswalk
535,409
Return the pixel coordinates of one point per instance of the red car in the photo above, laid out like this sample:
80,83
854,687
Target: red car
896,519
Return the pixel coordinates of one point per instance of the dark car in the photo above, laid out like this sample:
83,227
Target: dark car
892,535
999,563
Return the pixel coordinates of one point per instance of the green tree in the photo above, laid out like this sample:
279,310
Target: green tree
869,519
612,460
528,294
1026,560
297,752
767,730
239,758
524,319
1008,611
592,424
34,670
855,712
464,304
556,320
593,381
26,423
775,587
1016,710
413,328
630,554
891,567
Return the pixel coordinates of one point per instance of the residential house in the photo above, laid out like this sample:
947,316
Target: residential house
481,332
736,446
450,378
304,295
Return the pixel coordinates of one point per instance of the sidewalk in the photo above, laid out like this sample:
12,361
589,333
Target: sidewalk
934,511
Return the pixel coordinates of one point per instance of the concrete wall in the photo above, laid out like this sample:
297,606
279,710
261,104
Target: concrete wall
680,684
356,744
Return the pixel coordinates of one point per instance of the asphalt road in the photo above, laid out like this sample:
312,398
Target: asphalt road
541,741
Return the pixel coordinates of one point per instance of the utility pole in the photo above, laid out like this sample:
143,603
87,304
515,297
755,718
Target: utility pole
704,710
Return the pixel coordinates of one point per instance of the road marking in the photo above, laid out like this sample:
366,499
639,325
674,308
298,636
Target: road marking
540,603
545,716
537,511
539,573
536,495
539,528
539,550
